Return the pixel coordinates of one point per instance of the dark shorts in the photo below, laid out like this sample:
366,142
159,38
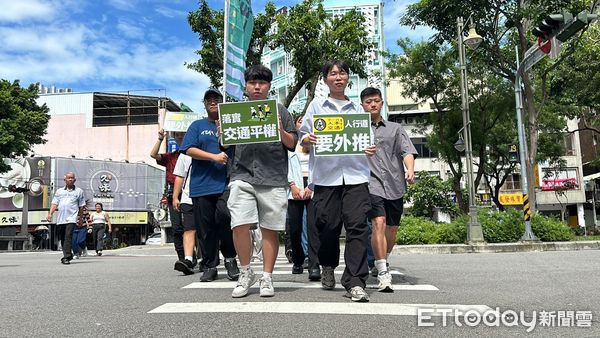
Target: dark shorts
391,209
188,219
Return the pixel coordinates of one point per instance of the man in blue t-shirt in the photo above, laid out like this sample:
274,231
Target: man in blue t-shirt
208,183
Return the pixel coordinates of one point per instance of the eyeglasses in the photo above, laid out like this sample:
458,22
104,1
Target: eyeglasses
335,74
369,101
213,100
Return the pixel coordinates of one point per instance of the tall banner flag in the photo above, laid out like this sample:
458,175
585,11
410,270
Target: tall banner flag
239,23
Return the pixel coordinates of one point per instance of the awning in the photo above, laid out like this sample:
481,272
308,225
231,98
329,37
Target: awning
591,177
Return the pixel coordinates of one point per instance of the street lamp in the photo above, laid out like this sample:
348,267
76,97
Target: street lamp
472,40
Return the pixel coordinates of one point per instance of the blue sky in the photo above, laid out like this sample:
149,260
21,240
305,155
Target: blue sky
121,45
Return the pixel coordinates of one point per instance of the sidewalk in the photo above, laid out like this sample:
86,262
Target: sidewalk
168,250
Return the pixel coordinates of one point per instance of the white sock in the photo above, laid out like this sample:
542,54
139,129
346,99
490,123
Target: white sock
189,258
380,265
266,275
387,257
245,267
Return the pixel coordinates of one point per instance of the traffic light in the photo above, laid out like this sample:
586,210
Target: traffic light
513,154
563,25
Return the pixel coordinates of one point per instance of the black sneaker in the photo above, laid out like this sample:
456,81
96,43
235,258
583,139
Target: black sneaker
184,266
297,269
314,274
288,255
233,273
65,261
209,275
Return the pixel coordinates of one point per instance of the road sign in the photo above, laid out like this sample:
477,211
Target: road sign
532,56
545,45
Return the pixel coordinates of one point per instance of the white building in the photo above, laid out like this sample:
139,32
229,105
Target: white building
283,73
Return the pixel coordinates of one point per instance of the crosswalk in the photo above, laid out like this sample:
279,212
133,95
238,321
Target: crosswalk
280,304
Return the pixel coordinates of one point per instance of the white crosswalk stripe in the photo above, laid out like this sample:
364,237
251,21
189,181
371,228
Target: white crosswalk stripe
307,285
346,308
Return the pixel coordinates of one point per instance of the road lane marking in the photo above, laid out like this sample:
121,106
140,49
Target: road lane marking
305,285
334,308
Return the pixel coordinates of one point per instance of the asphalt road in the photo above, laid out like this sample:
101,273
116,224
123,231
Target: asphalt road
135,292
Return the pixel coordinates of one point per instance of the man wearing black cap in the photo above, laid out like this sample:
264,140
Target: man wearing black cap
208,189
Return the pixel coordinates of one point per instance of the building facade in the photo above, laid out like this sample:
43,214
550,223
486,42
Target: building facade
283,73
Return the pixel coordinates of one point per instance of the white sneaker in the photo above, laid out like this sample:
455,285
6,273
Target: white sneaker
385,282
76,256
85,253
246,280
357,294
266,287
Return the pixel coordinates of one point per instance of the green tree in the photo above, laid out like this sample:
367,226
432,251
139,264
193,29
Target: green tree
504,25
311,37
23,122
430,193
428,72
209,25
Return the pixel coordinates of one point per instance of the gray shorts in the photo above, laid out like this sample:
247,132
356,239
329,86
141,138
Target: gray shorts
252,204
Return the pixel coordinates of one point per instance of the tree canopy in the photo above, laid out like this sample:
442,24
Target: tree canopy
23,122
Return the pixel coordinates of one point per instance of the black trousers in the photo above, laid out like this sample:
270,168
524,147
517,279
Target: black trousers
177,226
293,228
314,242
98,235
214,219
65,234
345,205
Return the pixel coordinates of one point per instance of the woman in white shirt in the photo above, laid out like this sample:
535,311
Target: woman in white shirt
99,221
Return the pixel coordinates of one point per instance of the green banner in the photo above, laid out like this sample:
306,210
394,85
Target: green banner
249,122
346,134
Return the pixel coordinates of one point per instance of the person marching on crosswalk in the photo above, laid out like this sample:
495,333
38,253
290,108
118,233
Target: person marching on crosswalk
387,182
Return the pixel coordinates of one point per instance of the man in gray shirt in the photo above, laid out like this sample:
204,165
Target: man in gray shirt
69,202
387,183
259,188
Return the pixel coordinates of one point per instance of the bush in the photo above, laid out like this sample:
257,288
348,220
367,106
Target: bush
418,230
498,227
415,230
550,229
501,227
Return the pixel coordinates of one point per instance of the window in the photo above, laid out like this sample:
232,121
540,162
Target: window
422,149
568,144
513,182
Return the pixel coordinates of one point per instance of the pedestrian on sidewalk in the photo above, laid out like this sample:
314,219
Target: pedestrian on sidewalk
341,192
208,190
100,219
259,183
69,202
387,183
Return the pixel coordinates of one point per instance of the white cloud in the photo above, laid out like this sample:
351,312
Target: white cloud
170,12
124,5
15,11
393,10
130,30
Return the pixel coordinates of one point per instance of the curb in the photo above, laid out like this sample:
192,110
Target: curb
495,247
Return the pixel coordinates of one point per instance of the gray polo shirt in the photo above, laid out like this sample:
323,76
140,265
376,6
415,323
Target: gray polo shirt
387,166
69,201
265,163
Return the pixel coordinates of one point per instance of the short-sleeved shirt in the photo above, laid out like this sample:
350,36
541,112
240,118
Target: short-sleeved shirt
69,201
387,165
265,163
206,177
182,167
334,170
168,161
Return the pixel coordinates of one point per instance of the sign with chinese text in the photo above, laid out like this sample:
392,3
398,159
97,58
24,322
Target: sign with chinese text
128,217
249,122
14,218
346,134
511,199
179,121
